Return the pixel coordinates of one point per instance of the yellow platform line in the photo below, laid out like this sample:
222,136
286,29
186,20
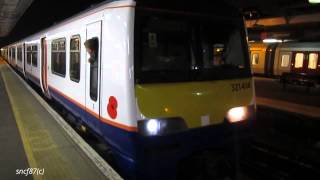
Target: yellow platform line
23,135
60,154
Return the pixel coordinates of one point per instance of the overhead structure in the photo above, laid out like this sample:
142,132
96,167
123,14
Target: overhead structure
281,19
278,21
10,12
285,27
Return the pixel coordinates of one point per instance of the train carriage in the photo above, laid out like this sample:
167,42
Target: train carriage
300,57
293,62
156,80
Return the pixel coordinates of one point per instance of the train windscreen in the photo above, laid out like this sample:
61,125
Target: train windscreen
179,47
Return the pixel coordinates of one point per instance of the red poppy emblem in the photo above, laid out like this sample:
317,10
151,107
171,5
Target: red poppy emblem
112,107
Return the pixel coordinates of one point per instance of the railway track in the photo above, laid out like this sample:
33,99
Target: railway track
285,146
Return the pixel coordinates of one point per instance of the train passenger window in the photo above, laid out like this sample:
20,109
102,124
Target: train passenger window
299,60
13,53
19,55
29,51
75,58
255,58
313,61
92,47
285,59
58,57
34,55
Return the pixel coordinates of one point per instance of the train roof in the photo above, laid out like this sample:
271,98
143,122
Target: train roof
220,8
179,5
93,9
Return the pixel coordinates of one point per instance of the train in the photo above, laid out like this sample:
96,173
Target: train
156,80
292,62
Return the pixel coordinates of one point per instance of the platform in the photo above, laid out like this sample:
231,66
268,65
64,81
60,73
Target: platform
31,137
295,99
310,111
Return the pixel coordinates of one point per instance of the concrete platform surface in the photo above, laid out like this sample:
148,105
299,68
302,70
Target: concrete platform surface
31,138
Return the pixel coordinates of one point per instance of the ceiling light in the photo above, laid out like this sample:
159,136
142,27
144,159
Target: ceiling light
272,41
314,1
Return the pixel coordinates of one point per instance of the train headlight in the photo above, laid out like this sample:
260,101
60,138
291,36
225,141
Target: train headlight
161,126
153,126
238,114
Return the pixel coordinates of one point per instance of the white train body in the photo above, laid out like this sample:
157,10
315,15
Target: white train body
112,23
121,107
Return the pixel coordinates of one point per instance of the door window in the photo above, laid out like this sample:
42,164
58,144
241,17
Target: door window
255,58
19,55
92,47
75,58
35,56
29,51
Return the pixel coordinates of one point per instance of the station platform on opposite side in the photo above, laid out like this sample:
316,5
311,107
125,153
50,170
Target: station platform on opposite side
294,99
306,110
33,140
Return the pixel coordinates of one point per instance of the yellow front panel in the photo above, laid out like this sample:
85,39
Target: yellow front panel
199,103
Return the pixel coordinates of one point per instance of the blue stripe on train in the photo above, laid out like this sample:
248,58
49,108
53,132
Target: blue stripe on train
157,156
121,141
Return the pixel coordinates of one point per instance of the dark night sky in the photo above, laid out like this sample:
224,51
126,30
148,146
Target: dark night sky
44,13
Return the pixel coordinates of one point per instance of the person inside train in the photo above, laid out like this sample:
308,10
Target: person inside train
92,47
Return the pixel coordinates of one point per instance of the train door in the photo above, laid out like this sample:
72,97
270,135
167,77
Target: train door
92,63
43,67
269,60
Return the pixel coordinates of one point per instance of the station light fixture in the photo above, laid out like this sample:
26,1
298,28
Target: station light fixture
272,41
314,1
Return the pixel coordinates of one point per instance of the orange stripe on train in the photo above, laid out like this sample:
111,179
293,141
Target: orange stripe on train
118,125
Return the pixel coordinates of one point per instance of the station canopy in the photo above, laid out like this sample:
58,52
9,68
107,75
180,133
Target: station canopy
10,12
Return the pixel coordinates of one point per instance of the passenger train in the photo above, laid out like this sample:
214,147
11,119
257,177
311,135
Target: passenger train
298,60
159,81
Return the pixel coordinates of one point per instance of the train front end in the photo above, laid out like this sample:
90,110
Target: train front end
193,87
